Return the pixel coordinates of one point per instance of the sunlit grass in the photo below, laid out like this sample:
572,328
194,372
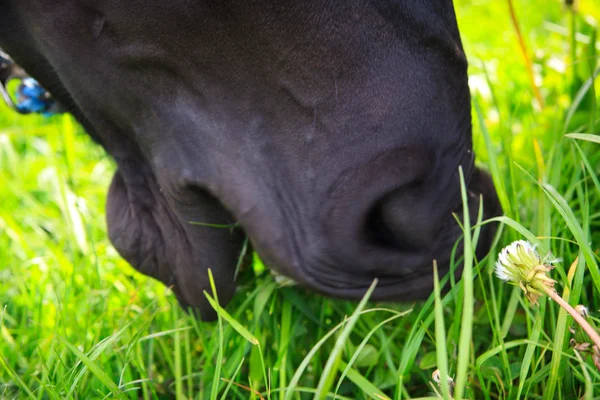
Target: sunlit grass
77,322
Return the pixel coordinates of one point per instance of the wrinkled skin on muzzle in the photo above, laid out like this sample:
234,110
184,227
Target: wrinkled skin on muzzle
329,132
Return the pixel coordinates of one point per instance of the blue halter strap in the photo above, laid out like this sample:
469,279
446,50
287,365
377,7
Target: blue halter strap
32,98
29,97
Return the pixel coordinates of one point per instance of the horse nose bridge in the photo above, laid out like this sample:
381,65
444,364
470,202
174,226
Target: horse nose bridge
382,173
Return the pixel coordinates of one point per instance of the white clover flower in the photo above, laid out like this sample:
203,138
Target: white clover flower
282,280
582,310
436,376
514,259
520,264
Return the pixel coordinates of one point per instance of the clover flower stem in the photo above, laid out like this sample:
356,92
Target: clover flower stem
576,316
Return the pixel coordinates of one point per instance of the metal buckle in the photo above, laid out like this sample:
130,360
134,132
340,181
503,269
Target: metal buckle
9,71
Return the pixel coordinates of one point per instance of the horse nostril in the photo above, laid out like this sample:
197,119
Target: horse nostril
377,231
400,220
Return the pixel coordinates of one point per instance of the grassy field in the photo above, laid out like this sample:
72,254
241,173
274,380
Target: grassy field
77,322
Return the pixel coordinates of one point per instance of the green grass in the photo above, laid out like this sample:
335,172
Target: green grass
77,322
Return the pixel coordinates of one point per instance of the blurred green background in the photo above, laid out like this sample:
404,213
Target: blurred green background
77,322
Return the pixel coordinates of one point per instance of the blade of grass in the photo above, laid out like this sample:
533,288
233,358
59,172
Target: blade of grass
413,342
363,344
565,211
534,337
466,329
497,349
97,371
579,98
284,340
584,136
362,383
188,364
588,167
493,161
230,381
98,349
440,335
589,388
239,328
523,231
17,378
293,386
559,338
331,366
221,341
177,361
511,309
